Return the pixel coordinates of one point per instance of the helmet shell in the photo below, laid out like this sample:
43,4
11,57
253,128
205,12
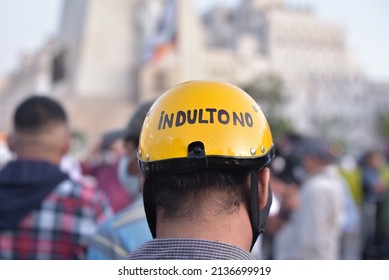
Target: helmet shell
227,122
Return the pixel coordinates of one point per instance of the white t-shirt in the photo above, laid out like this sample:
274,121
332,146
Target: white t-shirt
314,228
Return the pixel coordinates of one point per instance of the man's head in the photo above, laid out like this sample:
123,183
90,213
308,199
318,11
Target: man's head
205,145
314,153
128,170
40,130
374,159
134,126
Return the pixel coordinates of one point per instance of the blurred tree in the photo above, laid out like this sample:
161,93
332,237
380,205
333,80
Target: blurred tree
383,125
268,90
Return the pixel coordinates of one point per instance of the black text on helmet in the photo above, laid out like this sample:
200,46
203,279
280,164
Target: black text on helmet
204,116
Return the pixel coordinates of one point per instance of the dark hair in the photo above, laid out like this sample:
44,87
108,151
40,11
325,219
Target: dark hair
316,147
38,111
367,156
134,126
182,193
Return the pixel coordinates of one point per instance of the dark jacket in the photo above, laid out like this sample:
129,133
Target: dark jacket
24,184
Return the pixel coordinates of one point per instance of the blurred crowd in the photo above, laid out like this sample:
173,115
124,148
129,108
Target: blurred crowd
330,205
326,205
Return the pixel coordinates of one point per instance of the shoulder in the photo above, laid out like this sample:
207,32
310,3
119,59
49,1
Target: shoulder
82,197
121,234
324,188
128,217
82,191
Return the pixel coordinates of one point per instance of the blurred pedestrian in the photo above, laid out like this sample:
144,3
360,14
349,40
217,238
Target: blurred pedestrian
352,237
284,184
127,230
385,222
314,229
72,166
374,187
352,173
285,201
104,165
43,213
5,153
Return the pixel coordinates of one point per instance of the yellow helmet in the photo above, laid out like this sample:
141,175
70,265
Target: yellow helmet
200,124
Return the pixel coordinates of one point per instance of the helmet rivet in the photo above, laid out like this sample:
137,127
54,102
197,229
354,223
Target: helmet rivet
147,157
140,153
255,108
197,150
253,151
262,149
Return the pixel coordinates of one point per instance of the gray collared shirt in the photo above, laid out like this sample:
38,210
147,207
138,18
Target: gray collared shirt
188,249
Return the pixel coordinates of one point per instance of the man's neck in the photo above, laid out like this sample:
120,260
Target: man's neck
233,229
33,155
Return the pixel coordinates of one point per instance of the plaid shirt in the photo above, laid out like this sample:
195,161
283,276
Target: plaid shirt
60,227
188,249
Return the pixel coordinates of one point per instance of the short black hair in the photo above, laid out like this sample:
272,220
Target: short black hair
316,147
134,126
38,111
179,194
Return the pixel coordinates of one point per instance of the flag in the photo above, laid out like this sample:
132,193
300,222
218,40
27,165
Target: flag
163,41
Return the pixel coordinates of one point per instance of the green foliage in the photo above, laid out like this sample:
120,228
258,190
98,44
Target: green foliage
268,91
279,127
383,125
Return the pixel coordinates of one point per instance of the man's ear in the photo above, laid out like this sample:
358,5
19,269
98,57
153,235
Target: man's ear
263,186
142,180
66,143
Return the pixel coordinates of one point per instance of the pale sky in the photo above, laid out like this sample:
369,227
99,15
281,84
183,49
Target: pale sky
26,24
366,23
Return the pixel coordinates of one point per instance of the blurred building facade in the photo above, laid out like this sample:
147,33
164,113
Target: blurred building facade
90,66
110,55
327,93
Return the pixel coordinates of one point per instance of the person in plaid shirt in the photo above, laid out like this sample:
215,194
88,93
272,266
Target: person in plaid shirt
43,213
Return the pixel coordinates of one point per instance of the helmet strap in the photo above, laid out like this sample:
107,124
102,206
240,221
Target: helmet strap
258,217
254,202
150,210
